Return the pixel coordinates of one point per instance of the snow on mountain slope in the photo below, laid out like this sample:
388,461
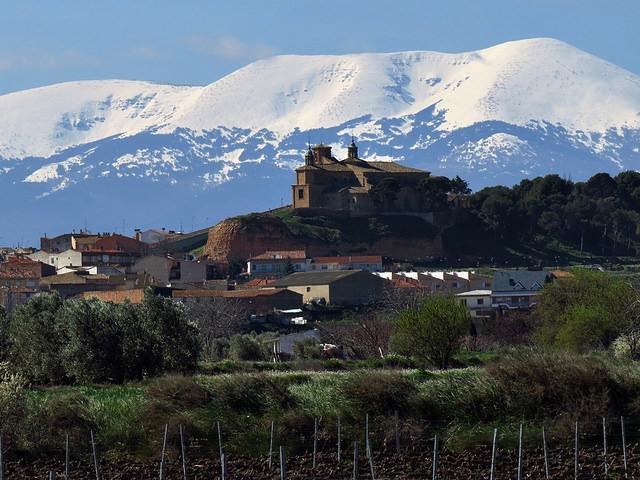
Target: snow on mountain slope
516,82
514,110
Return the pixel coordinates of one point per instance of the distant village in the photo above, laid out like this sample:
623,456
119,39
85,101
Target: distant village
286,287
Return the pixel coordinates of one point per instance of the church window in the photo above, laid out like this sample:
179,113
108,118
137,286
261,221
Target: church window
300,194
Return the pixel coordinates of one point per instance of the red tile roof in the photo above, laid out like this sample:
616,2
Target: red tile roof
349,259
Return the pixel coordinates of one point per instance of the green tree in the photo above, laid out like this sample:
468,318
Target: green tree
34,340
586,311
433,330
246,348
434,191
178,337
385,192
92,350
458,185
141,349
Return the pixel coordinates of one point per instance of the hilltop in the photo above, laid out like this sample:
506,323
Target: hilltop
174,153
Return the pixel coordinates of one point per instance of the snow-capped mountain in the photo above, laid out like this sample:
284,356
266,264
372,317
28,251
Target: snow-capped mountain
100,152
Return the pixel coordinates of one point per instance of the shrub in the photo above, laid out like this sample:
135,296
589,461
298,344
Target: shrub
53,415
35,341
249,393
12,400
433,330
588,310
178,392
246,348
376,392
92,341
307,348
177,337
539,382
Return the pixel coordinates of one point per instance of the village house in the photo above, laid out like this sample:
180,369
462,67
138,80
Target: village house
356,186
20,278
478,302
261,302
370,263
167,270
277,263
518,289
72,284
67,258
343,288
273,264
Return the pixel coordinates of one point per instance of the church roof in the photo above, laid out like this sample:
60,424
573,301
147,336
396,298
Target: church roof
393,167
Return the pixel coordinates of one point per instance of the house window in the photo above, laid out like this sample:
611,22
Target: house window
308,289
300,194
480,301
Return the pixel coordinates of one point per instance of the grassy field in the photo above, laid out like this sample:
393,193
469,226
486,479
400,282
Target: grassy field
462,404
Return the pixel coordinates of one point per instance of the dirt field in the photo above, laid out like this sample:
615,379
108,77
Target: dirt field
473,464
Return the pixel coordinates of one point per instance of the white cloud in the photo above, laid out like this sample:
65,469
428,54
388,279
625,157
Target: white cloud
145,52
230,48
45,61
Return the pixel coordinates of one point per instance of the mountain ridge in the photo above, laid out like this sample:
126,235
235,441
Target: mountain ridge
495,115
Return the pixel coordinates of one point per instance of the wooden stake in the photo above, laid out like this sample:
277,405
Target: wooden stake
493,454
397,421
544,450
355,461
315,440
223,468
366,435
66,457
604,446
339,441
373,473
624,448
95,455
182,451
1,459
283,474
271,443
575,460
520,454
164,449
434,466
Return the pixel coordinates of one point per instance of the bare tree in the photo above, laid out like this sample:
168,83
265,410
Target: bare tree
398,299
218,317
368,336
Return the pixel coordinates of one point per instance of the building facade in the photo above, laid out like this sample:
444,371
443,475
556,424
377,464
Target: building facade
356,186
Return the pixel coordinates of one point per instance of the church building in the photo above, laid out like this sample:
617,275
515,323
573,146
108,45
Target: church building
356,186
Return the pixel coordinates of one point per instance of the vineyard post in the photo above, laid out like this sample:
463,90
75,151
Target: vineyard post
520,453
95,455
271,443
604,447
66,457
339,440
223,468
283,473
434,466
52,476
373,474
182,451
355,461
366,434
315,440
493,454
624,447
1,460
575,460
164,449
397,420
546,458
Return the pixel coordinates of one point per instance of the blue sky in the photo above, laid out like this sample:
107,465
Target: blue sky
197,42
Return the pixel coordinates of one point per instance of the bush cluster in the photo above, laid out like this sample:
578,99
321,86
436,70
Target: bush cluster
89,340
